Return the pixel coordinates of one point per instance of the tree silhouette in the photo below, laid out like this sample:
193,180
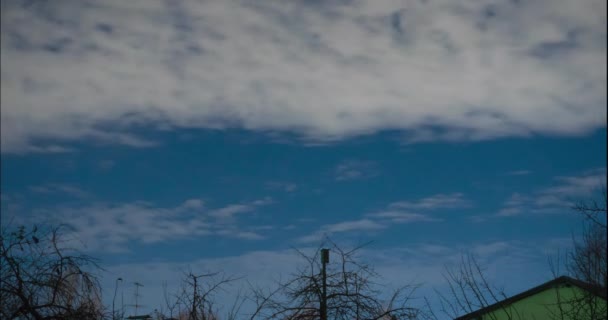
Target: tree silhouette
352,292
42,278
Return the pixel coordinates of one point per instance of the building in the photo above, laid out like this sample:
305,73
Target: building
561,298
142,317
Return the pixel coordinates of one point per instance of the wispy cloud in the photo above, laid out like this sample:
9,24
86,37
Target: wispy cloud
356,225
408,211
510,211
513,206
282,185
438,201
355,170
403,217
437,69
229,212
59,188
559,197
52,148
113,227
569,186
121,138
519,173
362,225
394,213
106,164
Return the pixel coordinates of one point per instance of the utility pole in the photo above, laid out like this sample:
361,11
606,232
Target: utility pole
324,262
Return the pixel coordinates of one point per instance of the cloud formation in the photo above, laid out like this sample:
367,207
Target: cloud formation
394,213
354,170
113,227
565,192
438,201
59,188
440,70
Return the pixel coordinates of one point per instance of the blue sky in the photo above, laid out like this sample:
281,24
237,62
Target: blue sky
218,134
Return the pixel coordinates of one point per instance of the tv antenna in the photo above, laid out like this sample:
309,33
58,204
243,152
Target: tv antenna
137,295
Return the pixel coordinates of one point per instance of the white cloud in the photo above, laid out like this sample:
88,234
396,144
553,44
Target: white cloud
438,201
519,173
560,197
581,185
193,203
106,165
403,217
54,188
231,210
356,225
361,225
441,70
510,211
354,170
114,227
395,213
281,185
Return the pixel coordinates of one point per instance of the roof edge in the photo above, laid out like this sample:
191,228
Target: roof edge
542,287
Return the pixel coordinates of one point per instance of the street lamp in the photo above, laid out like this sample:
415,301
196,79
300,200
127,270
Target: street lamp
114,299
324,261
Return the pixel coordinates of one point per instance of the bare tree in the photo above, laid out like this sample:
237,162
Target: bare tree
351,292
588,261
197,296
470,290
42,278
170,302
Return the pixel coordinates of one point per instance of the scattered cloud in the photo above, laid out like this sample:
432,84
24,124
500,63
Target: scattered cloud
106,164
514,205
354,170
228,212
559,197
362,225
519,173
395,213
262,202
245,235
52,148
356,225
114,227
438,201
510,211
281,185
403,217
59,188
439,70
581,185
193,204
121,138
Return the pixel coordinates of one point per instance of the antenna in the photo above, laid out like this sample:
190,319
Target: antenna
137,295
